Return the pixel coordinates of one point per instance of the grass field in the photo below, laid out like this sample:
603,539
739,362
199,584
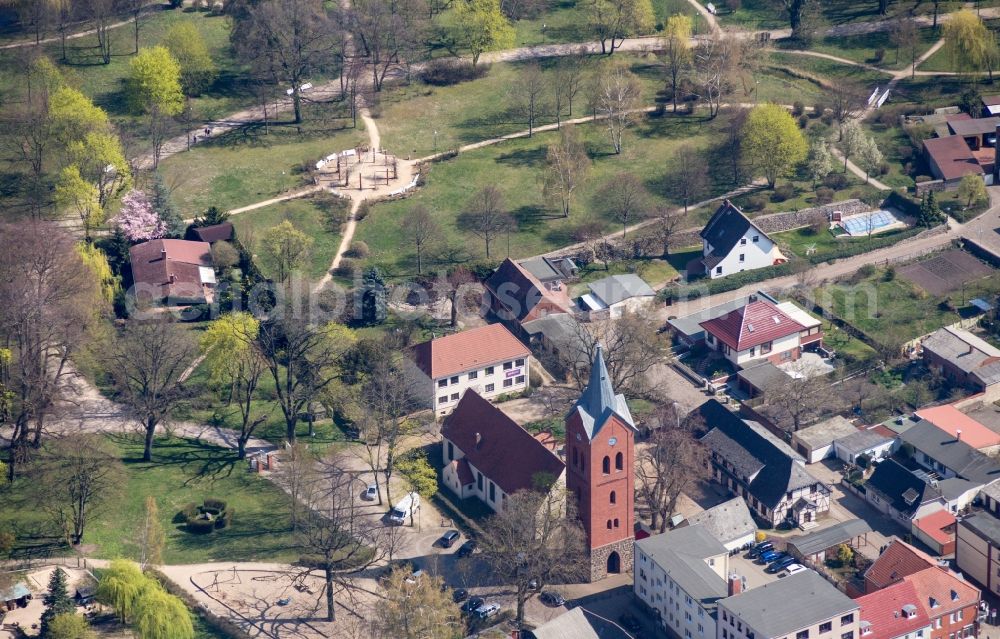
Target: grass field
800,241
514,167
864,48
307,215
761,14
182,472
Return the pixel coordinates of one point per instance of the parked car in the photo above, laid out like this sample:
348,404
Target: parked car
472,603
414,576
467,548
792,569
769,556
371,493
449,538
780,565
284,601
487,610
460,595
551,599
533,585
762,547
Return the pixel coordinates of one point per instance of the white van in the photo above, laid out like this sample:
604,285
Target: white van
402,510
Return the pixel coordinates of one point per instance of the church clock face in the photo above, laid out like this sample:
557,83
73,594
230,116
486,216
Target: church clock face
612,441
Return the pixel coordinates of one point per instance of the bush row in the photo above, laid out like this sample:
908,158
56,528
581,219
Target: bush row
728,283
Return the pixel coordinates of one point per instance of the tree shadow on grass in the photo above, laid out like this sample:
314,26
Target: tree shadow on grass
533,157
531,217
208,460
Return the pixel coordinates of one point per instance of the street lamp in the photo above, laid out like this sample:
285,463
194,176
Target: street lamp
435,140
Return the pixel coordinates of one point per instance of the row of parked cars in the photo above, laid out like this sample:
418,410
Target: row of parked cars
776,561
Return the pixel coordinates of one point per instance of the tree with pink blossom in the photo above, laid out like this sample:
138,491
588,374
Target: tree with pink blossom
138,220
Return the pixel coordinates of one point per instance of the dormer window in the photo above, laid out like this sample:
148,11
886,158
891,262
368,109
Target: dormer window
909,611
954,595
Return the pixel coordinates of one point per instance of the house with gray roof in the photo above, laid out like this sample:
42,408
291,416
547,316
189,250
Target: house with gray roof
815,442
902,494
965,359
870,442
948,456
803,605
616,294
814,546
682,574
754,464
732,243
580,623
730,522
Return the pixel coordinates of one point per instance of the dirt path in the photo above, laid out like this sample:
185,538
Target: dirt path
713,23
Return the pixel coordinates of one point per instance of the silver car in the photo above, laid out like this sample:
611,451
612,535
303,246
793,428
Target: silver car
371,493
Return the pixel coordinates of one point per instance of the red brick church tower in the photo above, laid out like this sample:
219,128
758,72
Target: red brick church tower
600,458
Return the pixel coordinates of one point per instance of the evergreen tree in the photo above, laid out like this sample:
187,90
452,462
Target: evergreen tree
163,205
212,216
930,212
57,601
374,308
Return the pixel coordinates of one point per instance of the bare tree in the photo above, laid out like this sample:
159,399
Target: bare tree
618,100
567,82
732,144
337,537
535,537
50,302
631,345
624,198
668,221
291,39
146,360
485,216
302,359
800,398
714,67
420,228
846,100
687,175
904,34
102,13
77,476
295,473
527,95
672,462
421,610
388,32
566,166
135,9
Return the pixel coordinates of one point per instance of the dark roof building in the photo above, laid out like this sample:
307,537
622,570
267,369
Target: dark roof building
902,491
518,296
950,158
724,230
580,623
214,233
949,455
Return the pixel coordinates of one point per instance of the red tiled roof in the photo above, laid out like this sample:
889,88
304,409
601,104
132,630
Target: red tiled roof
467,350
933,526
899,560
951,420
948,591
952,156
170,268
758,322
499,448
883,609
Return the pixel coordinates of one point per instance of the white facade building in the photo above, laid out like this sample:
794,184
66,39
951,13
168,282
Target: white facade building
731,243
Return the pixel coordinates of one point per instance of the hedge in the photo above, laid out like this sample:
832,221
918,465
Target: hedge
723,284
224,627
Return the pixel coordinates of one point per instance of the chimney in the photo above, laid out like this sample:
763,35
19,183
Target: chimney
735,584
479,440
751,298
171,278
958,434
163,254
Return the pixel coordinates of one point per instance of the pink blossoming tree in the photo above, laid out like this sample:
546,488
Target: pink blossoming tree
138,220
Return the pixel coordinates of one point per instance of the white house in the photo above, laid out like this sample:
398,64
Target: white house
489,456
732,243
758,331
488,359
682,575
618,294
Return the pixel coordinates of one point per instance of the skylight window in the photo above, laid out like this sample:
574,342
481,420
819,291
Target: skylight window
749,328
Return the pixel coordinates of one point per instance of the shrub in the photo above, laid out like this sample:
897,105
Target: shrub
883,169
346,268
363,210
534,377
866,271
798,108
335,217
189,511
483,270
835,181
879,54
922,178
890,274
200,526
756,203
358,249
827,118
819,109
783,192
824,195
904,151
225,520
803,121
215,504
448,71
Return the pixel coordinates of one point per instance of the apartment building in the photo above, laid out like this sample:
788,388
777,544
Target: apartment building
488,359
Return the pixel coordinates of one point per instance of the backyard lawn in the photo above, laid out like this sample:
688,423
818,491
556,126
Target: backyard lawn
806,242
182,472
308,215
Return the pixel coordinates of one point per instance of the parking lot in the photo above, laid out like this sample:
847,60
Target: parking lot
751,571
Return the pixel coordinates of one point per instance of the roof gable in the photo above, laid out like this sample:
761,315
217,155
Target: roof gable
468,350
599,402
906,490
725,228
899,560
520,292
497,446
756,323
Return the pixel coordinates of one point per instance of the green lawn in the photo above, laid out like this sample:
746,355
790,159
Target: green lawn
514,167
307,215
761,14
865,48
849,349
800,241
655,272
247,166
893,312
829,70
181,472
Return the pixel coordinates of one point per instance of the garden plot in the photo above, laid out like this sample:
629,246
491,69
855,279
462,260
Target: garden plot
945,272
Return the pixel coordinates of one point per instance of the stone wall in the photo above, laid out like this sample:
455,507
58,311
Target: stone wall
599,558
923,188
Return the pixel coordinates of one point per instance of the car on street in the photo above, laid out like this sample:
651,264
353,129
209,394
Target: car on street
472,603
371,493
449,538
460,595
552,599
780,565
487,610
467,548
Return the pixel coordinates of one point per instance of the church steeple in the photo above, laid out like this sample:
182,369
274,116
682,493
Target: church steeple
599,401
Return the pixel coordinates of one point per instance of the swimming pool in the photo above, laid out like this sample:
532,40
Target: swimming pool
871,222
